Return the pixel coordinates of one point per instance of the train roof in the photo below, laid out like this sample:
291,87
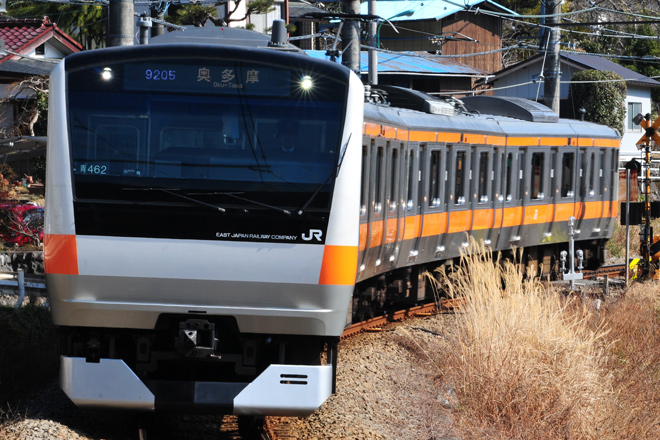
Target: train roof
487,124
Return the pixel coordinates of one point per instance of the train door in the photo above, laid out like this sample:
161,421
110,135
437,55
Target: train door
609,190
594,209
481,194
566,181
413,193
435,224
537,210
377,194
458,214
586,191
365,211
512,206
554,159
497,203
392,210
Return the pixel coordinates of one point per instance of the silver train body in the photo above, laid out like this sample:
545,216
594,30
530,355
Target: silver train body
221,301
193,265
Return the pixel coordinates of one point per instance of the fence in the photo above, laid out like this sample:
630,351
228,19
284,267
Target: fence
15,283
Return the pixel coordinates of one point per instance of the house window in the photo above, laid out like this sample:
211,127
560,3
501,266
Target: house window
40,50
634,108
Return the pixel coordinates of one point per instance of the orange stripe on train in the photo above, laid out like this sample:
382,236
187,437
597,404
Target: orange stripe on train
339,265
60,254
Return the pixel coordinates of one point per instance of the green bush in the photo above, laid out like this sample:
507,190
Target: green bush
28,351
603,97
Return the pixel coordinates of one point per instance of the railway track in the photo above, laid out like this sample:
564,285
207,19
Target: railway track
611,270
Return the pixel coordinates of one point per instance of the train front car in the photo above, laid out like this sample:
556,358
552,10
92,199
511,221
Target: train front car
201,226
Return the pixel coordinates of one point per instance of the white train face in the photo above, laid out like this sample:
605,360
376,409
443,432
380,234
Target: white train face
202,182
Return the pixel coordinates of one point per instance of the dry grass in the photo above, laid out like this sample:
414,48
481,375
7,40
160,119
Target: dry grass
634,322
527,363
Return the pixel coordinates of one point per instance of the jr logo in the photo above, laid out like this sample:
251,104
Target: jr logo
313,233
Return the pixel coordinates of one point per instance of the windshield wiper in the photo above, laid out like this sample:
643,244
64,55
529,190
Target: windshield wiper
335,172
181,196
254,202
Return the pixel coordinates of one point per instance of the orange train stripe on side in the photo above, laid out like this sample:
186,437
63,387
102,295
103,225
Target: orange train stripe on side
390,230
412,227
376,238
423,136
512,216
459,221
434,224
60,254
482,219
339,265
449,137
363,236
471,138
593,210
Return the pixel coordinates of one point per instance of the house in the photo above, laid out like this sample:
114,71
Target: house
444,27
419,71
521,80
32,47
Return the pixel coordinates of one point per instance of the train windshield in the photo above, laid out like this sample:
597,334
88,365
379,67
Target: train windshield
261,132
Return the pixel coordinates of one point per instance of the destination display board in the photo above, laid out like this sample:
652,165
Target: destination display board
211,79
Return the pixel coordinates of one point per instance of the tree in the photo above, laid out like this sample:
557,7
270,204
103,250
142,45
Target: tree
86,23
198,15
603,97
30,113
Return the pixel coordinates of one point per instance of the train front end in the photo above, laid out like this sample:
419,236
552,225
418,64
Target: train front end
201,226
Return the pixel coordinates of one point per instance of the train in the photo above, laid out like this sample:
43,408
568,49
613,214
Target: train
216,215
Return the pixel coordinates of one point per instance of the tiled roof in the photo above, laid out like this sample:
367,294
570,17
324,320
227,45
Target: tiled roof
22,35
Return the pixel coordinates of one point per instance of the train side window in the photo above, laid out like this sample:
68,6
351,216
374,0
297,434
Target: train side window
521,175
434,179
604,181
510,175
410,193
394,180
592,175
567,177
459,183
365,180
378,181
538,162
484,177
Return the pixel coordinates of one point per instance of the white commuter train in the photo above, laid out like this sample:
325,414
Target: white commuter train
201,226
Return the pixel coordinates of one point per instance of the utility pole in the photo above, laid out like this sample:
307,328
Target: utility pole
552,71
373,54
157,28
350,36
120,23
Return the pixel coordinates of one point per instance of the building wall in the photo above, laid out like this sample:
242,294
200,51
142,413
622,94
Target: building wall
432,36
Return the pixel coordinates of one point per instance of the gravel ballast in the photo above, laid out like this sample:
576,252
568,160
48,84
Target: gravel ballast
388,387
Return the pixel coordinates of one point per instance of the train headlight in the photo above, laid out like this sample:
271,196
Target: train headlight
306,82
106,74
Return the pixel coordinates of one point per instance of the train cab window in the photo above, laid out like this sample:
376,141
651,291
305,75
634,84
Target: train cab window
434,179
538,162
459,182
378,180
365,180
567,177
394,180
484,177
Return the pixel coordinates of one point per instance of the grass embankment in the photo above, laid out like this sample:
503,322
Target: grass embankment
528,362
28,353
